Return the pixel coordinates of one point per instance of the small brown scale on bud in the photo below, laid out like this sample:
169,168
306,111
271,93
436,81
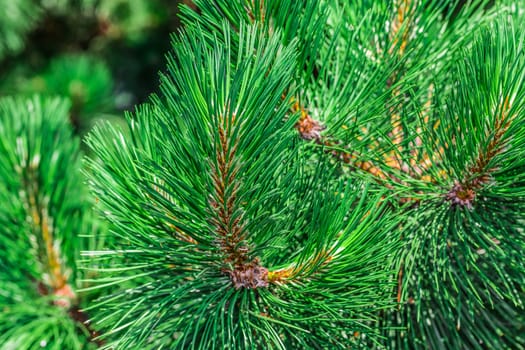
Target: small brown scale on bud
249,276
64,296
309,129
461,195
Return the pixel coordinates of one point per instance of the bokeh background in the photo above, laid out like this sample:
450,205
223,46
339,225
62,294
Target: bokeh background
104,55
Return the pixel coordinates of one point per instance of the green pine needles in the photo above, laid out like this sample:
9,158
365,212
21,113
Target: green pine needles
44,211
310,175
465,256
237,241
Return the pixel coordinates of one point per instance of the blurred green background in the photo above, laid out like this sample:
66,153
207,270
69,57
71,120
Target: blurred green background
104,55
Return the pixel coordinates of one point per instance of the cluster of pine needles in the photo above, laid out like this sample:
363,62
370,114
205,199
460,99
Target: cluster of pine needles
310,175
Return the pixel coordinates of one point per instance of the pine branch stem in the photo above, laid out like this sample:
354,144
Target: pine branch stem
246,272
54,276
464,192
262,11
400,284
81,317
310,129
56,282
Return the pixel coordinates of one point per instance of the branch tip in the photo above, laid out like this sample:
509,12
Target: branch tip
249,276
308,128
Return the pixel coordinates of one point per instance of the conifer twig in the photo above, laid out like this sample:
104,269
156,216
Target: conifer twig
464,191
246,272
40,164
55,281
54,277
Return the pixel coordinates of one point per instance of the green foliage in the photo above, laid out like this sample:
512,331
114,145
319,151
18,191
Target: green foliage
18,17
84,80
393,88
128,38
43,213
62,6
132,18
212,187
474,277
311,174
30,322
298,21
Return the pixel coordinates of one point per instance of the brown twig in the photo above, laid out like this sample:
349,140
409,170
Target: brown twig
54,281
54,276
463,192
401,22
399,284
262,11
246,272
416,166
400,29
81,317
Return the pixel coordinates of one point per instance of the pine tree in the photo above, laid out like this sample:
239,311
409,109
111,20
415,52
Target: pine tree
312,174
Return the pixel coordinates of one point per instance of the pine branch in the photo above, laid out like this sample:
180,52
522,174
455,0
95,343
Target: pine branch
229,219
43,215
305,168
477,175
214,204
398,154
475,242
411,152
46,245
